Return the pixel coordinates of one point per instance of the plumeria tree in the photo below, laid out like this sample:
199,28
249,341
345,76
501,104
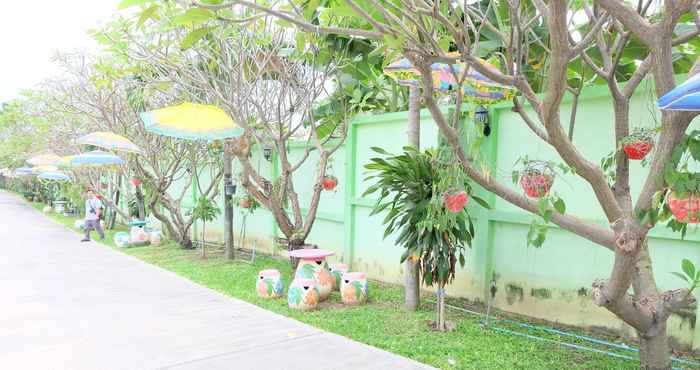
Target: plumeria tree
551,48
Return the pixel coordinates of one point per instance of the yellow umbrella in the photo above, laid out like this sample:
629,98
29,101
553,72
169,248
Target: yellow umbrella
44,159
110,141
192,122
44,168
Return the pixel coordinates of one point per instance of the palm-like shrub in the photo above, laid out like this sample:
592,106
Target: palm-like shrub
412,189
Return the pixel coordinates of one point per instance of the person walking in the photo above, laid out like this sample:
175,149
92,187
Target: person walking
93,211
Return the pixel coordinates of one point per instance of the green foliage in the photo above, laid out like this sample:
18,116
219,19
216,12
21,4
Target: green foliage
206,210
411,187
690,274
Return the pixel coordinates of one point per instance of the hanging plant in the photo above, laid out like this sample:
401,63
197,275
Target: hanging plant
247,202
638,144
685,208
135,181
330,182
455,200
536,177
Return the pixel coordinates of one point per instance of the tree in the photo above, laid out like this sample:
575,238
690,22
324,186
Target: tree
272,88
550,48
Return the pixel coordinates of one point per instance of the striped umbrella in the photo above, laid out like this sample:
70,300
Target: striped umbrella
43,159
110,141
96,157
685,96
23,171
44,168
55,176
191,121
476,88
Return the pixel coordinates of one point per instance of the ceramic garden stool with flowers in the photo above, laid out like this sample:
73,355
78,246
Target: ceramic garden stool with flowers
337,271
313,265
353,288
303,294
269,284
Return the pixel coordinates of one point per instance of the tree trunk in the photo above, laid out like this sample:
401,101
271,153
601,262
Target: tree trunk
440,323
140,203
228,207
654,352
411,273
204,240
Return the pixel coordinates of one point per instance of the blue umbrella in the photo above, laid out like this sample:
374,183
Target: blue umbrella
685,96
23,171
97,157
57,176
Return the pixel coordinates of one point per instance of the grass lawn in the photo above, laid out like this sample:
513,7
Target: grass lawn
381,323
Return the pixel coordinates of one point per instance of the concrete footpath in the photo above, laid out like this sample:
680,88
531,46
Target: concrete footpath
70,305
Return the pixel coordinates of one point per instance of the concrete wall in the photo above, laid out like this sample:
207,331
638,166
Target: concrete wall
552,282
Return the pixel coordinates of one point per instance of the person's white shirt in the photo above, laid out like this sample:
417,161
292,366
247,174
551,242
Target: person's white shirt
92,207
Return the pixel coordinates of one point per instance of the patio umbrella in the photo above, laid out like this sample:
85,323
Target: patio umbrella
96,157
110,141
476,88
23,171
55,176
44,168
43,159
685,96
192,122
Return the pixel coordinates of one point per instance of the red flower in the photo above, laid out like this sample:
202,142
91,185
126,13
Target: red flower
329,183
638,149
455,202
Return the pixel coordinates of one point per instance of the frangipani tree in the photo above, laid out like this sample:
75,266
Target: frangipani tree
549,48
270,86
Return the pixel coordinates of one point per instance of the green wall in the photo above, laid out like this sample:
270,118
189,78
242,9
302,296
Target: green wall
552,282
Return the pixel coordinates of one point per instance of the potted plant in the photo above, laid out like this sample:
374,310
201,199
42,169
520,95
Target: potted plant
135,181
330,182
685,207
425,197
247,202
638,144
536,177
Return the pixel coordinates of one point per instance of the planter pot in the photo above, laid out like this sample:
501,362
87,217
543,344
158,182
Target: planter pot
329,183
536,186
303,294
455,202
155,237
269,284
136,182
353,288
637,150
337,271
685,210
245,203
121,239
316,270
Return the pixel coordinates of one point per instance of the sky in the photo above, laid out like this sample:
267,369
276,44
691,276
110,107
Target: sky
32,31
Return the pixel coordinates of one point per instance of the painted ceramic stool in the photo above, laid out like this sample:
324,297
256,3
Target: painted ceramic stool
353,288
312,265
303,294
269,284
337,271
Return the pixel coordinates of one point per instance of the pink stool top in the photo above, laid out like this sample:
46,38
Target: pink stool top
339,266
353,275
270,272
304,282
310,254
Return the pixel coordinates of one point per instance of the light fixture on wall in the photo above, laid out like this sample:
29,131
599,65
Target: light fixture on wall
267,152
481,115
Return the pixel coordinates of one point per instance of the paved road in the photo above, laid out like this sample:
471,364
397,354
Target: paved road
67,305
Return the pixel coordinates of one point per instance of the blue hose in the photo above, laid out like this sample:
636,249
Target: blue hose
568,334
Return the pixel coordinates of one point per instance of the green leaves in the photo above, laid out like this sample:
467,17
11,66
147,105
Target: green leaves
129,3
690,275
193,17
193,37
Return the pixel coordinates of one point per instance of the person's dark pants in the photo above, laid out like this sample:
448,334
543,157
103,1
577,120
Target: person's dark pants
93,225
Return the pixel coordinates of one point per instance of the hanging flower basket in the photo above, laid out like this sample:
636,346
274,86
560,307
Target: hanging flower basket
455,201
685,209
104,186
638,144
537,179
245,202
135,181
330,182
